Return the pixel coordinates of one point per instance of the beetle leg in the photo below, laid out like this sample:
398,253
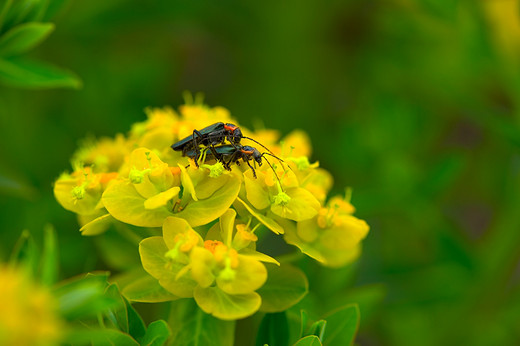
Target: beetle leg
246,159
196,145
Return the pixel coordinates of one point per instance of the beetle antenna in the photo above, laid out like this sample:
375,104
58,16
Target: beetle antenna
279,159
276,175
263,146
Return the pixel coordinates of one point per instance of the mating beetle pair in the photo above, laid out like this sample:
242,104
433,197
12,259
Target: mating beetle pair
213,138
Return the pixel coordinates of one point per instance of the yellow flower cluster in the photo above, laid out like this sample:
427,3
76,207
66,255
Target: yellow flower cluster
139,180
29,313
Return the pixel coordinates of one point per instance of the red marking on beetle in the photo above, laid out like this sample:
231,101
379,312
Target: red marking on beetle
230,127
247,151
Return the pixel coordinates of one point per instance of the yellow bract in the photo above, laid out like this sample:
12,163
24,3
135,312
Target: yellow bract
29,313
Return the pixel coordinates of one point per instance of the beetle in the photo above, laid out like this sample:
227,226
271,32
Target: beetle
210,137
228,154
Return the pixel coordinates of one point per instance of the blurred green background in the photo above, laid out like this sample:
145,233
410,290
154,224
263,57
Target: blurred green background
414,104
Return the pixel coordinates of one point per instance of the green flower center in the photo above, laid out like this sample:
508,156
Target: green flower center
282,199
215,170
227,274
136,176
301,162
78,192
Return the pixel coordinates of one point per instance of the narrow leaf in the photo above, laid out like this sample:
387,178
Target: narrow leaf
24,37
49,265
25,73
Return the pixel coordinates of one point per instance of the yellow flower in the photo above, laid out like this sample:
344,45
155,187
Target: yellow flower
29,313
81,191
139,180
332,237
151,193
105,155
283,197
220,278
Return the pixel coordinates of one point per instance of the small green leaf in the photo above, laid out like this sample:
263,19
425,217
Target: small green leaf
147,290
24,37
156,334
286,285
136,327
24,73
304,318
118,314
105,337
26,253
317,328
274,330
342,325
311,340
49,261
191,326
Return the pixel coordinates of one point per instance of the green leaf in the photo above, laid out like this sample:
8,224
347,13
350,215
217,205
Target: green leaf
24,37
304,317
214,301
98,337
24,73
49,261
117,314
18,12
136,326
274,330
156,334
342,325
26,253
317,328
147,290
286,285
84,296
311,340
191,326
